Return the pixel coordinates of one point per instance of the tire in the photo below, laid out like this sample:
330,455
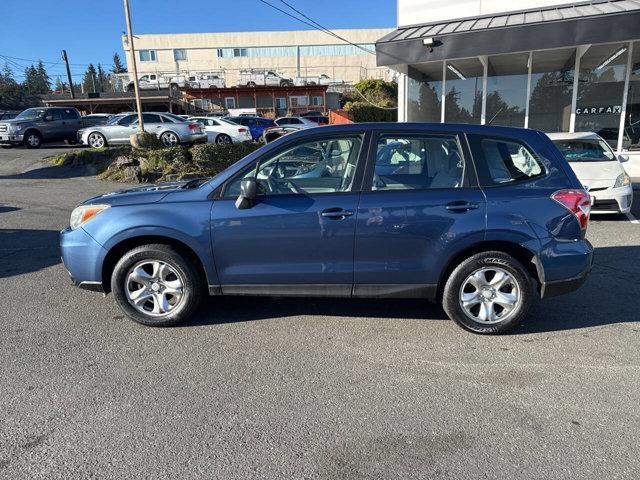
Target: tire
475,278
170,139
251,84
32,139
96,140
155,309
223,139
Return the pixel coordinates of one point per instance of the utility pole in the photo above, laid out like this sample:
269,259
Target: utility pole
66,62
135,66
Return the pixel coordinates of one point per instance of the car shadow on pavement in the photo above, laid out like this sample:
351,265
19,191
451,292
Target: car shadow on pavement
610,296
7,208
26,251
53,171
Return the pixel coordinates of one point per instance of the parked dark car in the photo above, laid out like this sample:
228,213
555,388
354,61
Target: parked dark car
317,117
256,125
480,218
35,126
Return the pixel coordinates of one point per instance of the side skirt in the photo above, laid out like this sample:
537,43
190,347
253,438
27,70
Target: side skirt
426,291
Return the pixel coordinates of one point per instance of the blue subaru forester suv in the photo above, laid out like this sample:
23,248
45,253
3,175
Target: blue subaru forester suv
482,219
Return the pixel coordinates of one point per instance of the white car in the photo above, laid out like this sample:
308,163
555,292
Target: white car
222,131
599,169
299,123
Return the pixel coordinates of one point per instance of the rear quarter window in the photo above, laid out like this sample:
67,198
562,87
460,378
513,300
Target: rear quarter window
501,161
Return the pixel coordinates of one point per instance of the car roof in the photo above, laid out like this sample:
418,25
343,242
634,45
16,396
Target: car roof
574,136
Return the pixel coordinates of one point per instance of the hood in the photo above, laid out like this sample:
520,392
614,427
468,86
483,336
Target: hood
587,171
22,121
137,195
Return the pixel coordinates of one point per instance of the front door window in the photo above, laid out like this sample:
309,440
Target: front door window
310,167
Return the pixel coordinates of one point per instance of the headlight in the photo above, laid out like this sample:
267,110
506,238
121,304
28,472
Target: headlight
623,180
84,213
17,128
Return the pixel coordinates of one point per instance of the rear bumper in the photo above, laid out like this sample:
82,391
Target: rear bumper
563,266
195,138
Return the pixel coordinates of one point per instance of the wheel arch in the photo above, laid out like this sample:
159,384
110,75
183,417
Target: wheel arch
118,250
33,130
521,253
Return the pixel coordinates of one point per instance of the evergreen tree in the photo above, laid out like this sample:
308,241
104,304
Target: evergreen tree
43,84
30,80
90,81
104,85
117,65
61,87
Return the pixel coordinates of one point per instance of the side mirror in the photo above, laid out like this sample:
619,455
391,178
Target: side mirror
48,118
623,158
248,193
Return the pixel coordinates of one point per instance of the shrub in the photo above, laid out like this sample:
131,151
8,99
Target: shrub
149,141
365,112
211,159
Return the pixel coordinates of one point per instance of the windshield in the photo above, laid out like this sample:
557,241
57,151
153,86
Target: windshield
175,117
585,150
115,120
229,120
32,113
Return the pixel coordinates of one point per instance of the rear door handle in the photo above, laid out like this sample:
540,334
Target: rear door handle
461,206
337,213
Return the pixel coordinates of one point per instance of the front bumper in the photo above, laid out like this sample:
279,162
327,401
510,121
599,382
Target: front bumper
11,138
612,200
82,257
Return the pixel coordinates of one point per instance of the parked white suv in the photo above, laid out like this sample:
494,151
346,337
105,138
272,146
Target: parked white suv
599,169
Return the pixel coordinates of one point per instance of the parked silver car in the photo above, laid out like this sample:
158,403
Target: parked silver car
169,128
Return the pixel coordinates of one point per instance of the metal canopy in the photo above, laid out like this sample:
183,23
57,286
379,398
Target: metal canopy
535,29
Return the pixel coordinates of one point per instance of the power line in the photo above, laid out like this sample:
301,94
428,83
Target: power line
325,29
315,27
51,62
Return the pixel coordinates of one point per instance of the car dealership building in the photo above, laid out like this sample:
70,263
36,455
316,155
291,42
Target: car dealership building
553,65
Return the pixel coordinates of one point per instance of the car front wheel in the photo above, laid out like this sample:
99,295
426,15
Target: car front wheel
96,140
488,293
32,140
156,285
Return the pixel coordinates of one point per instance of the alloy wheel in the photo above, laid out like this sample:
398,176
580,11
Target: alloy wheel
490,295
154,287
169,139
96,140
33,140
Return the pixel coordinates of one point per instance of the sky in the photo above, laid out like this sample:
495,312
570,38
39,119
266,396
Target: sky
90,30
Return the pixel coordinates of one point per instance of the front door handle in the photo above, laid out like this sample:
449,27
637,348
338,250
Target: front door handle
461,206
337,213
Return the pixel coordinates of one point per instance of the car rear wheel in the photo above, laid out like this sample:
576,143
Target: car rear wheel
223,139
32,140
169,139
96,140
488,293
157,286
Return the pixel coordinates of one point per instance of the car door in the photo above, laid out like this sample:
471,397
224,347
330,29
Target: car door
152,123
297,237
122,130
71,123
53,125
420,202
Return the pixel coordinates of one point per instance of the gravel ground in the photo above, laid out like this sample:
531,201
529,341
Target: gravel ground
274,388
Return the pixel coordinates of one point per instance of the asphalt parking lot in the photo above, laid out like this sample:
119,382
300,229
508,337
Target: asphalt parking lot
275,388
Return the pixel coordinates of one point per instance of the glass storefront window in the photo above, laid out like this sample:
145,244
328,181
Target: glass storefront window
551,90
463,91
424,93
507,89
600,89
631,139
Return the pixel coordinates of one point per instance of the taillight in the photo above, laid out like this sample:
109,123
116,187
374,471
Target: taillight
194,126
577,202
242,130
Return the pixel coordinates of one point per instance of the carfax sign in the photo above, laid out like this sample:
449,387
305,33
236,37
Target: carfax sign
602,109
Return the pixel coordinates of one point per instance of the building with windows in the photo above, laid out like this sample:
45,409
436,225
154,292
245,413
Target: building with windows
303,53
552,65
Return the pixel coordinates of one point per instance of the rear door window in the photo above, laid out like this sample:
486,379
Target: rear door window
501,161
417,163
69,114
